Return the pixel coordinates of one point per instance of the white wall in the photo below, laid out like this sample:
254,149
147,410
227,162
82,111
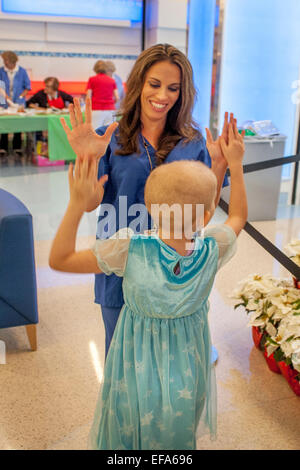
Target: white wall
61,47
51,47
166,22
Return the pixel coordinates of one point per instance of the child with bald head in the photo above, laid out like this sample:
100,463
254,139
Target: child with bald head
159,389
180,198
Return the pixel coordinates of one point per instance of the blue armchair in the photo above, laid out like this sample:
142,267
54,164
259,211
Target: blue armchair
18,291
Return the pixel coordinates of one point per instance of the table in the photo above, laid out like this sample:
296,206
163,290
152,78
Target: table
58,145
263,187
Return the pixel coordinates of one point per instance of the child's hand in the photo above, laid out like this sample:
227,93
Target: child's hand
85,142
84,185
234,150
214,146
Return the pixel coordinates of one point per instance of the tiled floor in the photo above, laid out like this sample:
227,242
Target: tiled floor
48,396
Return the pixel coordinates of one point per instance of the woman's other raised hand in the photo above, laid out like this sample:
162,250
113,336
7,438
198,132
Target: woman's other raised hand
234,149
214,147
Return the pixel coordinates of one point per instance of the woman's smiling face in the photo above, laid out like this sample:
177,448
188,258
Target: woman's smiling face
160,91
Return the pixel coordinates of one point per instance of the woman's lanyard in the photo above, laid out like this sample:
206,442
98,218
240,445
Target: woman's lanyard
149,158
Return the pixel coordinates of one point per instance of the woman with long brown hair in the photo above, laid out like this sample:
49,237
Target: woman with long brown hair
156,127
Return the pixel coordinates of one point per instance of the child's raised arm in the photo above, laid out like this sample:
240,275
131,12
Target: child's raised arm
83,185
234,153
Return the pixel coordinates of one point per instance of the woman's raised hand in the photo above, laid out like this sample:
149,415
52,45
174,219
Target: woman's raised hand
234,149
85,142
214,147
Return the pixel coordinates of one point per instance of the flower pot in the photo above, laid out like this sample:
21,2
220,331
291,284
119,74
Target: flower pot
296,282
284,368
290,374
257,336
272,364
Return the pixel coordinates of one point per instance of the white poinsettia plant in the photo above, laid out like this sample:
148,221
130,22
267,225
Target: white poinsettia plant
293,250
274,307
286,343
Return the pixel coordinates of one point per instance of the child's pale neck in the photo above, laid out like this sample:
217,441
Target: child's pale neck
182,245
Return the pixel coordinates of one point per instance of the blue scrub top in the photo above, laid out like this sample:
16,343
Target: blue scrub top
127,176
21,82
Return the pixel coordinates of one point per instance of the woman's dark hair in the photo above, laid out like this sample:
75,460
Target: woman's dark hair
53,82
179,124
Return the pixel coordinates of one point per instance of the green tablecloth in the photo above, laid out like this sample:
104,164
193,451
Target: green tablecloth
21,123
58,145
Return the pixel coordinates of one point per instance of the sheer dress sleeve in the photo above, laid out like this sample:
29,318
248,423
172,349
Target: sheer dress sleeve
112,252
226,240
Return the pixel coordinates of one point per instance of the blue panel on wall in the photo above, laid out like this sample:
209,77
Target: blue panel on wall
260,62
104,9
200,53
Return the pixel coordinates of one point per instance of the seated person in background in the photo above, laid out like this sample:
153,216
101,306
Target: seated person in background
50,97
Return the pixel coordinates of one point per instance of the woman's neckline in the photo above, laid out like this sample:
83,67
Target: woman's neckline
146,142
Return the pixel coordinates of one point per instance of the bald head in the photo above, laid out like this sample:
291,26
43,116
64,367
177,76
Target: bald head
181,182
185,182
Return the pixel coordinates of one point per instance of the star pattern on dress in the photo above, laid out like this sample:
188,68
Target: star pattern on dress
128,344
127,429
153,444
127,365
147,418
155,330
188,373
185,393
139,367
118,384
123,386
161,426
190,349
190,429
190,444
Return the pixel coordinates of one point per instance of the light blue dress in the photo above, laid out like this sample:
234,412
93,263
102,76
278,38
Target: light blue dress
159,389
